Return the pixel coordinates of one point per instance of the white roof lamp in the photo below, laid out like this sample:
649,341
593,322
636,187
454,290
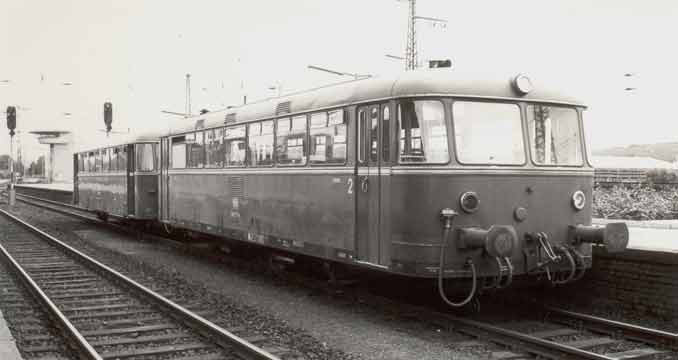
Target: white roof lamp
522,84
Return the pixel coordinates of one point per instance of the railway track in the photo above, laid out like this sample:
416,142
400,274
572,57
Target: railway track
550,339
563,335
103,314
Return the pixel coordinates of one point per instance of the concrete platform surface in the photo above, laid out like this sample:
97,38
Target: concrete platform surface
52,186
651,224
653,235
8,350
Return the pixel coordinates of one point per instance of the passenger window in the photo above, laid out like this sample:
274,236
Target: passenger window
178,152
195,150
97,161
328,138
261,143
234,146
114,159
122,158
374,134
385,131
105,161
214,148
81,162
90,162
291,141
423,132
146,157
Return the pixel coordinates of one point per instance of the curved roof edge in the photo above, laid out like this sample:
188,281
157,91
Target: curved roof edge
440,82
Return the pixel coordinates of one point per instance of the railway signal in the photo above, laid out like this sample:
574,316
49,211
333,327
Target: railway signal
11,125
108,116
11,119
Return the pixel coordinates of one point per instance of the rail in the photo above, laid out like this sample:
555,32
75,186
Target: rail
612,327
217,334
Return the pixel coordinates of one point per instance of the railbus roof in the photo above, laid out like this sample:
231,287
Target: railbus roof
429,82
145,137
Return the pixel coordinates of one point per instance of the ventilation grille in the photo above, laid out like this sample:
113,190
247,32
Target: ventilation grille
283,108
237,185
230,118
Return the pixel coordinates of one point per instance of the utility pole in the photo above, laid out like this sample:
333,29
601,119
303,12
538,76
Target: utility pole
411,60
411,51
188,95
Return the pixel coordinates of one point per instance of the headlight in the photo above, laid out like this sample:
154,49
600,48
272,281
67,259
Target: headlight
578,200
469,202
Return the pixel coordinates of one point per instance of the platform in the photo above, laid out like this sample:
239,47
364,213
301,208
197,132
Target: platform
653,235
8,350
62,192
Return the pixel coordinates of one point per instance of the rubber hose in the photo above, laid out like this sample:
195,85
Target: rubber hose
441,288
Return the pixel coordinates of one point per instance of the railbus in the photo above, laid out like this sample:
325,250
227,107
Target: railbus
432,174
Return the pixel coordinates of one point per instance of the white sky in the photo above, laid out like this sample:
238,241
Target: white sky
136,54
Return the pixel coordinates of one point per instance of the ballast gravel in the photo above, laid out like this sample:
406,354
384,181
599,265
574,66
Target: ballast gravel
317,325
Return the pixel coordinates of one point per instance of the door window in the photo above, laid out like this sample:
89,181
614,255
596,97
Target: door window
374,134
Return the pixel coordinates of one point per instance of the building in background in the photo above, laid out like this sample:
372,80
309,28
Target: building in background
60,160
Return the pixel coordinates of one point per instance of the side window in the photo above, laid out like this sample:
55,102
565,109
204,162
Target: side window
97,160
195,150
178,152
328,138
106,160
122,158
291,141
234,146
146,157
261,143
90,162
114,159
385,132
81,162
214,148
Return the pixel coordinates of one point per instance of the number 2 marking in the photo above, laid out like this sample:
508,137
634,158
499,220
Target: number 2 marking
350,185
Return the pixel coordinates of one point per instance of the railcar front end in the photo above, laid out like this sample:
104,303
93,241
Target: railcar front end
494,189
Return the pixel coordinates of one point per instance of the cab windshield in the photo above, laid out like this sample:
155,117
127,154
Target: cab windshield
555,136
488,133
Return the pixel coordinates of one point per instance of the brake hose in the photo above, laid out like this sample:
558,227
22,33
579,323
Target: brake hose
441,288
573,267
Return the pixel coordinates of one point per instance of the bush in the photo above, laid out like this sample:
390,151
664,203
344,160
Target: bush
637,202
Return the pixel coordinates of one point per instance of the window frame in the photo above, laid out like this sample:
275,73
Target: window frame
138,153
248,135
344,119
123,150
189,158
245,162
306,137
114,150
81,162
582,139
218,137
449,127
521,113
105,160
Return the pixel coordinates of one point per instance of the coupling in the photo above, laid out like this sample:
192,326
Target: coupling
498,241
615,236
